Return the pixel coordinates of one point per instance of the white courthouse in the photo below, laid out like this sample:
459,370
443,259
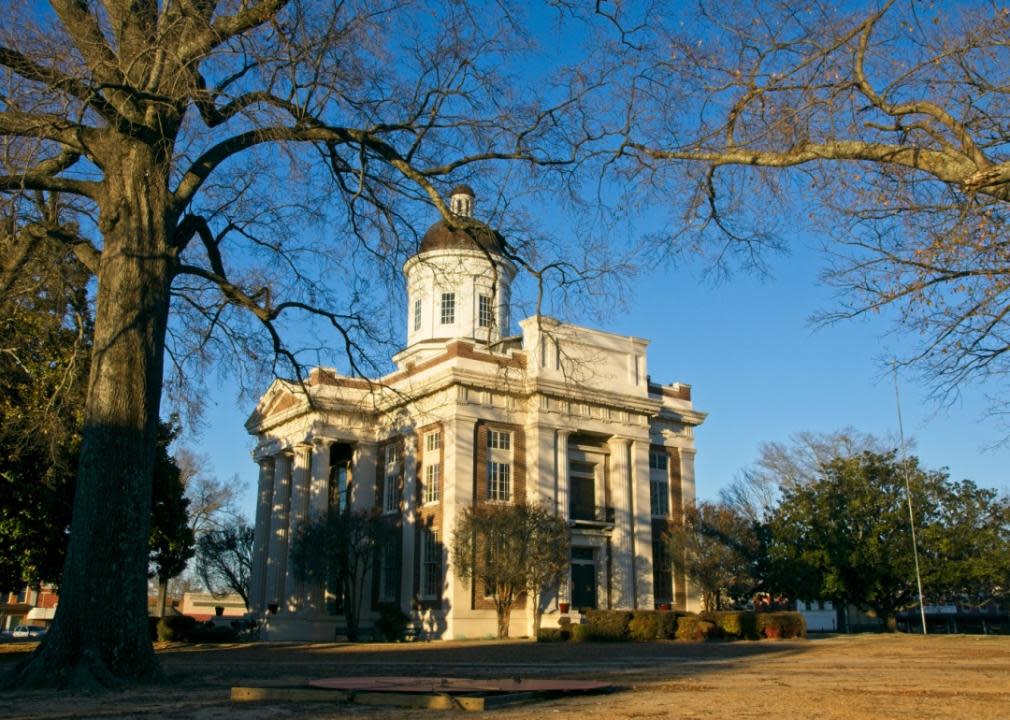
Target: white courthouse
558,414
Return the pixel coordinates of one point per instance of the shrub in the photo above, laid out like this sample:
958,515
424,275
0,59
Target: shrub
784,625
210,633
580,633
392,621
694,628
736,624
547,635
644,625
176,628
608,624
668,623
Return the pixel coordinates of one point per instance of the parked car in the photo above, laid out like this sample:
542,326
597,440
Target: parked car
28,631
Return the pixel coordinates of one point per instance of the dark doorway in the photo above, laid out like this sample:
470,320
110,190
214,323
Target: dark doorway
583,579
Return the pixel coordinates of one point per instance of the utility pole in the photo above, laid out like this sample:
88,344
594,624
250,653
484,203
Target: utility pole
908,496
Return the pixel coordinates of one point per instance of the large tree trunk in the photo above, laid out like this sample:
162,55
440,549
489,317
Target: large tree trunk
100,635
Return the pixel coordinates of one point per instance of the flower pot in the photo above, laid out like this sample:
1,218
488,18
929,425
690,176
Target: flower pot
565,607
219,610
664,606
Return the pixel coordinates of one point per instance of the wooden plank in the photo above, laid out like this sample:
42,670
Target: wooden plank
286,694
382,699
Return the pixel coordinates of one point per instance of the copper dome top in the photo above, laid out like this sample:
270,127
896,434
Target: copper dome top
441,237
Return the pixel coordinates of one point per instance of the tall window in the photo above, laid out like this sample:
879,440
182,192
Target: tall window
431,564
389,572
499,481
448,308
499,465
432,476
659,484
662,571
484,311
417,314
431,472
391,484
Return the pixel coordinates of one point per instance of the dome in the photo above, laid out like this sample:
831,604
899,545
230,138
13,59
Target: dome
463,189
441,237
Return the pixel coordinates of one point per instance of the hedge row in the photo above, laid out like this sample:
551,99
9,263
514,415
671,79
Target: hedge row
183,628
649,625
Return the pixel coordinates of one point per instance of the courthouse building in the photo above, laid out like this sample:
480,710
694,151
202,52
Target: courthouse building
558,414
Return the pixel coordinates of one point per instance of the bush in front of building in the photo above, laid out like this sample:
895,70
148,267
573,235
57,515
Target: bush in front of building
644,626
694,628
210,633
392,622
580,633
176,628
609,625
549,635
735,624
782,625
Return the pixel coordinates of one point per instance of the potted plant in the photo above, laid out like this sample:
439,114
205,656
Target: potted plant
565,607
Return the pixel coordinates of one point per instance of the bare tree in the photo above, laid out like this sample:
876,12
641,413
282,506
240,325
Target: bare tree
783,466
212,502
192,145
224,559
884,124
508,550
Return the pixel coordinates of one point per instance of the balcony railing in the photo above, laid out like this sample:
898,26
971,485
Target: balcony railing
591,516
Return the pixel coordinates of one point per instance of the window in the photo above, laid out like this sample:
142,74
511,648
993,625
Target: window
499,465
484,311
432,441
659,496
662,572
417,314
432,475
659,484
448,308
389,574
391,485
499,481
431,564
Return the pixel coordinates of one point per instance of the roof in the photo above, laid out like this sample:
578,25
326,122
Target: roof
462,190
441,237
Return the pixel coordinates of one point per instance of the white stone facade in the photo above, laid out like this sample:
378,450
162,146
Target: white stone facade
560,414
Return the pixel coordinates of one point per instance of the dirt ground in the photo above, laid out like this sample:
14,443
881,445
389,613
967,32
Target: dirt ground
865,676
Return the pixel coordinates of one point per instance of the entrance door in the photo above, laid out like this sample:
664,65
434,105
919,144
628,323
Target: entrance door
583,579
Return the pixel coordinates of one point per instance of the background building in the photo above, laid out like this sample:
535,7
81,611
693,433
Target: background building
559,414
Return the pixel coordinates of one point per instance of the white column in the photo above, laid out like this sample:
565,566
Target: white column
261,537
641,548
319,483
457,471
277,559
561,458
363,472
692,597
319,498
620,490
409,519
294,590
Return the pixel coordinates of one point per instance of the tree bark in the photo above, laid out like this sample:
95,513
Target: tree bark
100,633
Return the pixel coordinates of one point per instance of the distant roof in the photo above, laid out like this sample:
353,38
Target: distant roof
462,190
441,237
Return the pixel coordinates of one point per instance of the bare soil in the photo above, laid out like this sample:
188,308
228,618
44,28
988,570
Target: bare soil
862,676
